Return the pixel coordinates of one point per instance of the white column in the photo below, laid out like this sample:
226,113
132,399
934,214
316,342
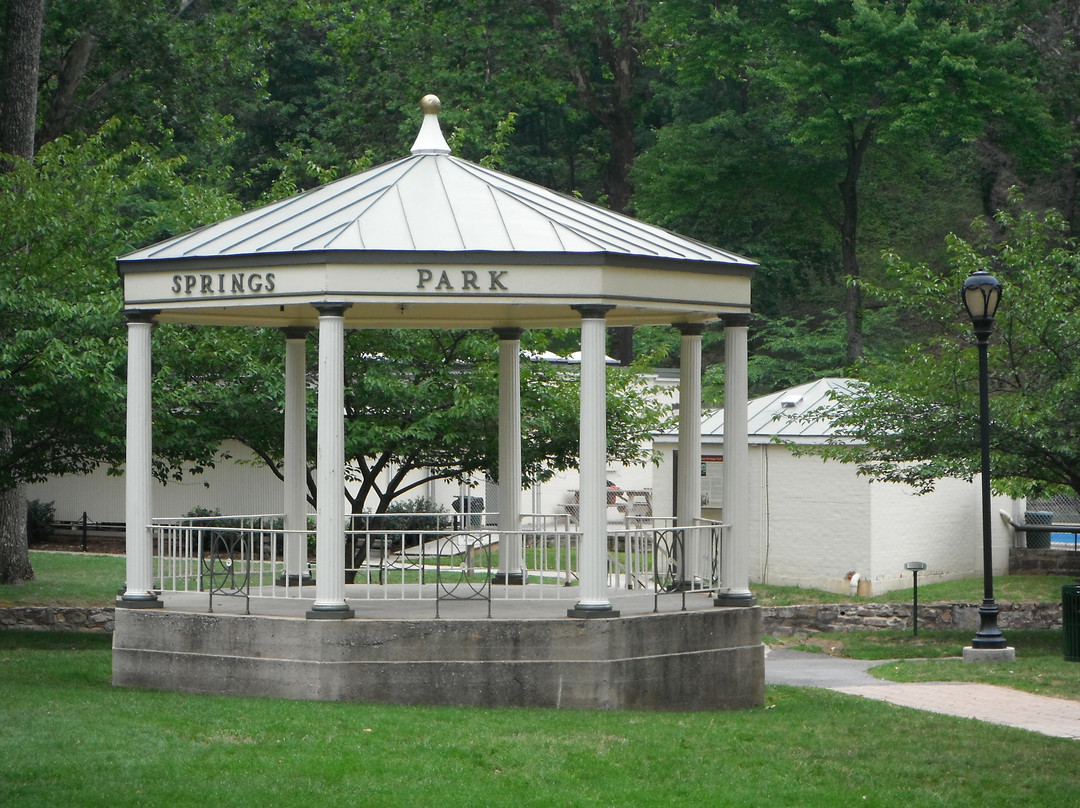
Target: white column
689,504
735,557
138,467
592,514
330,468
295,505
511,566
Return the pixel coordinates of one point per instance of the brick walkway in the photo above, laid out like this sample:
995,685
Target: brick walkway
997,705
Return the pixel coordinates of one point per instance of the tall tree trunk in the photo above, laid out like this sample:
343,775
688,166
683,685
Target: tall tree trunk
18,118
14,552
19,77
62,109
849,230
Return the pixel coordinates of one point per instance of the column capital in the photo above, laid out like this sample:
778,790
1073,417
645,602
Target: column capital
141,315
509,332
331,309
592,311
736,320
296,331
690,329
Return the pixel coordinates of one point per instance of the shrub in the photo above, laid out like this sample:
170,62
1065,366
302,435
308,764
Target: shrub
39,520
410,515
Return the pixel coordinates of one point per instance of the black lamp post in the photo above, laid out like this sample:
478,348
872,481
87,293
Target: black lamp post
981,293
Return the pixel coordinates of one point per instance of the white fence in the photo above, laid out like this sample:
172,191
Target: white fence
404,556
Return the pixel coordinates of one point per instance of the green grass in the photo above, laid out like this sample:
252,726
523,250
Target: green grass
1015,588
68,579
71,739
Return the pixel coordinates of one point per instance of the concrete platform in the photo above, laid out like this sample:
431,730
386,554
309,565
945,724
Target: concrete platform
528,654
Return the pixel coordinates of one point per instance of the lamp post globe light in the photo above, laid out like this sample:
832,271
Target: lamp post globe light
981,293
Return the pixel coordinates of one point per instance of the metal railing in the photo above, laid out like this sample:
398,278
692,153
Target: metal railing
245,556
213,553
1046,530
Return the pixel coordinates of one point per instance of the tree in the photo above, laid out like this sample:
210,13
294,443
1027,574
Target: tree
66,215
915,420
820,86
19,76
416,401
18,113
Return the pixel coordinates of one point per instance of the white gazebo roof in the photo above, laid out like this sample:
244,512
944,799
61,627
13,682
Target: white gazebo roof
431,240
778,415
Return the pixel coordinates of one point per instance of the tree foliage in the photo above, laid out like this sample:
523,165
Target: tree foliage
62,342
915,420
419,406
62,353
811,135
804,93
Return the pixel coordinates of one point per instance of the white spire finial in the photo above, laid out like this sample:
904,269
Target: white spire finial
430,140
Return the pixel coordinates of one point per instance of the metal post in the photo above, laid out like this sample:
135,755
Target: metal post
915,566
915,603
988,635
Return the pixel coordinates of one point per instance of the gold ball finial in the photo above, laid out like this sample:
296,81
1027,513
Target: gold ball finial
430,105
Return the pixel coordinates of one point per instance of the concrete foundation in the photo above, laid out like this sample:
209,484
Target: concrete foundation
711,659
989,654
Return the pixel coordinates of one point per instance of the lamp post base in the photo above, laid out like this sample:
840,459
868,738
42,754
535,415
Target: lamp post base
1007,654
989,636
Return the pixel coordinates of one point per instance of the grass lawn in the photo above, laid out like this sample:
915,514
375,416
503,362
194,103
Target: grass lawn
1015,588
68,579
71,739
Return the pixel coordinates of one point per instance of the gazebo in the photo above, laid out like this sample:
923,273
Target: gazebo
431,241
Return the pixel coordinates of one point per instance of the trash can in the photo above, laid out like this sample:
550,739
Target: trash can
1070,621
472,509
1038,540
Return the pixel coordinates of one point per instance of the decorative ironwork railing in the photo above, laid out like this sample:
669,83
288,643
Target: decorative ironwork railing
246,556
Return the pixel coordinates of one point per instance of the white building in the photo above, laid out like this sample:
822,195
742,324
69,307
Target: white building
818,524
240,484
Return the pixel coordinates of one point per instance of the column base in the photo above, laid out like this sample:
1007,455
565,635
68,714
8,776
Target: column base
151,602
334,613
509,578
587,613
734,599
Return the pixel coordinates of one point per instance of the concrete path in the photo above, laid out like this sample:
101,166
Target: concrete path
996,705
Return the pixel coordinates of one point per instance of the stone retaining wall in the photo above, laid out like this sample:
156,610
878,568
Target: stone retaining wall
1037,561
784,621
778,621
57,618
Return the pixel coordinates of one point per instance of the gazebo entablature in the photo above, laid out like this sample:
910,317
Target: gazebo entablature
431,241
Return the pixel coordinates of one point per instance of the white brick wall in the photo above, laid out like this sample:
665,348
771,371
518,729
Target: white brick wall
814,522
810,520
